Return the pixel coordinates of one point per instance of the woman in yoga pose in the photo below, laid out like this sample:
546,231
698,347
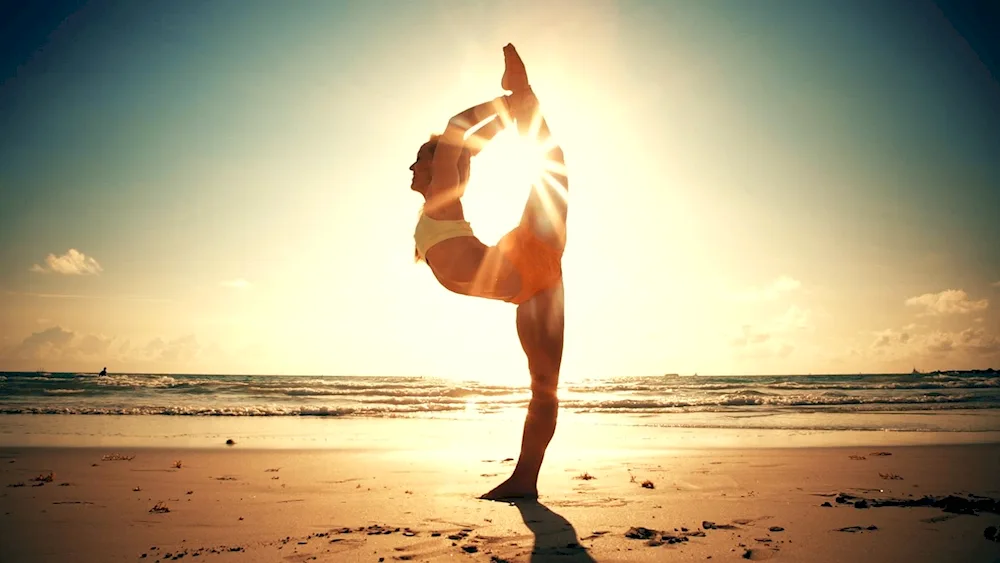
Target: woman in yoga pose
524,268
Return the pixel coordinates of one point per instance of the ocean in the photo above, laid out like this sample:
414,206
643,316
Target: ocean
934,402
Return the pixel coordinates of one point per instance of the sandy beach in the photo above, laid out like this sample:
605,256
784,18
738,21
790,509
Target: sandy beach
302,282
411,496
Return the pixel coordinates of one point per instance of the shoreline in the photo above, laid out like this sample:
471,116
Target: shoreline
574,431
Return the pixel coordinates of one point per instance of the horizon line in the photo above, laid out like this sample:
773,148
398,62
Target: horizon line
695,374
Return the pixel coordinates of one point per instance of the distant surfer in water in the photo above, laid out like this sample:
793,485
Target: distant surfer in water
524,268
104,372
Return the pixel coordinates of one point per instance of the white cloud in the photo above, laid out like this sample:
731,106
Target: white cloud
772,291
238,283
73,263
947,302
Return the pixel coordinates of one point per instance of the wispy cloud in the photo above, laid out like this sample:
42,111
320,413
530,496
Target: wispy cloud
78,296
66,347
889,337
238,283
972,340
772,338
971,343
749,337
947,302
995,284
979,341
73,263
795,318
772,291
755,344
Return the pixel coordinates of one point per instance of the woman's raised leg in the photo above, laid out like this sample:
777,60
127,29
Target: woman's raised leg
541,327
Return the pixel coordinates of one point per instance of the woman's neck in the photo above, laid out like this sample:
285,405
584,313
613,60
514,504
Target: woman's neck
443,207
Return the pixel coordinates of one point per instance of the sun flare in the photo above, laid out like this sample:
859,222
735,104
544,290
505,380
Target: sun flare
502,176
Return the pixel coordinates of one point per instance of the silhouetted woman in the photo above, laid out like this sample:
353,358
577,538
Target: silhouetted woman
525,266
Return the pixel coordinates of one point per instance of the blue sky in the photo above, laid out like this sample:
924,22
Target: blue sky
756,187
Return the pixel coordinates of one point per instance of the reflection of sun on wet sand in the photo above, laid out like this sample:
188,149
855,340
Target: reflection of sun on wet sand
399,504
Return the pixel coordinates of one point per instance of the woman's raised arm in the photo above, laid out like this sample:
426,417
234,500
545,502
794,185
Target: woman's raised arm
444,169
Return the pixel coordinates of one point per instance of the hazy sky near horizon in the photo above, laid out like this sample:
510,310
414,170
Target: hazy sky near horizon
756,187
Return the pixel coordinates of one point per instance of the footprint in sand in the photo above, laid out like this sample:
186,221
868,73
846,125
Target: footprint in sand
758,554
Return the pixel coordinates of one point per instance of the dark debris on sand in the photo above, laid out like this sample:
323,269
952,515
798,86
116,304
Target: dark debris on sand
972,504
709,525
856,529
992,533
193,552
160,508
660,537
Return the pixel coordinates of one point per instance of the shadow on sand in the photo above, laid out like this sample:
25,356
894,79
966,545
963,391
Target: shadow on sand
555,537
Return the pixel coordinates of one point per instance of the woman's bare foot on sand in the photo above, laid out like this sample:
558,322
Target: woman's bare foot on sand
513,488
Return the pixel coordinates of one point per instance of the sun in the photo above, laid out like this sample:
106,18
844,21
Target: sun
522,156
500,181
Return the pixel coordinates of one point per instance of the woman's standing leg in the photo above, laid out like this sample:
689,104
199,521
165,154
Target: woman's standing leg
540,325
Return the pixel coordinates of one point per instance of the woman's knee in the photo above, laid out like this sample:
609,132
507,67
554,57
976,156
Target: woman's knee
544,396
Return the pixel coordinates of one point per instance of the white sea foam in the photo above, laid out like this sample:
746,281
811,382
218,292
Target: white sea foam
221,395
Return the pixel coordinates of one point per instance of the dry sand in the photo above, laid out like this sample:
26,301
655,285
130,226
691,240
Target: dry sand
269,505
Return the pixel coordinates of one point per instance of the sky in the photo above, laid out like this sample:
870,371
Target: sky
755,187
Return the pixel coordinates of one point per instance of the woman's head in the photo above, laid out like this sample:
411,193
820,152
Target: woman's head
423,165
